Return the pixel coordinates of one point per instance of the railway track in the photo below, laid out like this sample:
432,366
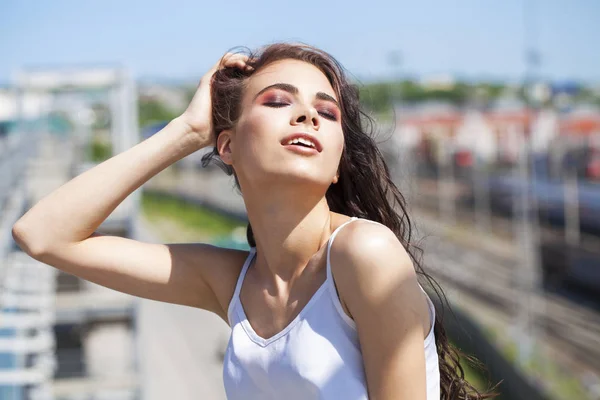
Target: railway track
492,280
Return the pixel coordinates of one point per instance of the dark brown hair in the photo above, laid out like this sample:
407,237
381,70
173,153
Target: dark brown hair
364,189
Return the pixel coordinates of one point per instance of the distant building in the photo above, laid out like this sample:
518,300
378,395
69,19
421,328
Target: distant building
34,104
495,134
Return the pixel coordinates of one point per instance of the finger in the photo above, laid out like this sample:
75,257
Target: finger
240,64
234,59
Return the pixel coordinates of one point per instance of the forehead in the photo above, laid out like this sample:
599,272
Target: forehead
306,77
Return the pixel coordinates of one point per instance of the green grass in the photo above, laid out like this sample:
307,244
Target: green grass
473,376
559,383
476,377
99,151
190,216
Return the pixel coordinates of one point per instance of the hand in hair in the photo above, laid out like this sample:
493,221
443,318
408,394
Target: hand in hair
197,116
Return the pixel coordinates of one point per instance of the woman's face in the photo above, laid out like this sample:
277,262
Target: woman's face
286,98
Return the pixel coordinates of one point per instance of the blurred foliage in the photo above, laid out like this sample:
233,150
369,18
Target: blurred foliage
379,97
152,111
588,96
99,150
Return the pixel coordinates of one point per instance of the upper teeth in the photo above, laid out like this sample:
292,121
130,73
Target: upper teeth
303,141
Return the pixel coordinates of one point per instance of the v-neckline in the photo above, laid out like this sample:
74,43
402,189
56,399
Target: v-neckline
255,337
266,341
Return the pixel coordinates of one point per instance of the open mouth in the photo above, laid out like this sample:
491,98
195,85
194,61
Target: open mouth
302,142
301,149
302,145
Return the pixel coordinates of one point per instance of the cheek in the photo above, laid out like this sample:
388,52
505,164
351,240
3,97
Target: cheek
338,144
341,143
257,125
254,135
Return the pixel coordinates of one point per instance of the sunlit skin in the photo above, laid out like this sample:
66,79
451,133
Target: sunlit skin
284,193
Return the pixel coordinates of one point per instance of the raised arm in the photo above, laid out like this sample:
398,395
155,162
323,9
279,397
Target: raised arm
60,229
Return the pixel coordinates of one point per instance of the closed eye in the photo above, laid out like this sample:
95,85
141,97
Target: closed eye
329,115
275,104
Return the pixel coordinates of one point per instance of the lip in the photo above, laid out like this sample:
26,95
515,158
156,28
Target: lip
306,151
306,136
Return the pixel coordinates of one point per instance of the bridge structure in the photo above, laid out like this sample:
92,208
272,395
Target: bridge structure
61,337
54,327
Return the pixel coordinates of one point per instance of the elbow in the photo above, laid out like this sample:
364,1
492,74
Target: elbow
22,239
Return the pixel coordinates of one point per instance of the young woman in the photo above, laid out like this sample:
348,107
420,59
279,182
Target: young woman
311,318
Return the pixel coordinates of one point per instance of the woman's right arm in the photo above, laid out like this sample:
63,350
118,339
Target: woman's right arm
60,229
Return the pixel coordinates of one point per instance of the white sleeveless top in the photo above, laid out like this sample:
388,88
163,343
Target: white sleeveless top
317,356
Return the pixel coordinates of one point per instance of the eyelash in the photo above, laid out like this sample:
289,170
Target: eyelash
276,104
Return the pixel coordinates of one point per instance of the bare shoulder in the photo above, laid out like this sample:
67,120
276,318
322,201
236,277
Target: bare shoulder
366,248
372,268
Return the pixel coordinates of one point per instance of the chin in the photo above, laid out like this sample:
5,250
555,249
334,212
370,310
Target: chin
297,177
283,172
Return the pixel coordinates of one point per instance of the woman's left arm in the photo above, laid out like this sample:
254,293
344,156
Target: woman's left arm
377,281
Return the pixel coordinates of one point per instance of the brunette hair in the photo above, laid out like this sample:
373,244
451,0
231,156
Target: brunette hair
364,189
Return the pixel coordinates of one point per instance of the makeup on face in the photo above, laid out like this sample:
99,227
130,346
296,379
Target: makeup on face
278,95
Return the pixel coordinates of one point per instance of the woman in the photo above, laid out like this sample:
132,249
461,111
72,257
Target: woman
311,318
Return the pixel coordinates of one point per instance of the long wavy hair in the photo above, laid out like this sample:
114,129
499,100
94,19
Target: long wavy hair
364,189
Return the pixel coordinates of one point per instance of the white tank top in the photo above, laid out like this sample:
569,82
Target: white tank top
317,356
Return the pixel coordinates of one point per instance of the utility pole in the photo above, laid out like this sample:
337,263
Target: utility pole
528,276
406,160
446,191
395,62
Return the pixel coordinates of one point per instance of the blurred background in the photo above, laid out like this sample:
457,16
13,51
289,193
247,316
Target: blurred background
488,115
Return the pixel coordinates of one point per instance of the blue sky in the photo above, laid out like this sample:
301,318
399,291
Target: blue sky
182,39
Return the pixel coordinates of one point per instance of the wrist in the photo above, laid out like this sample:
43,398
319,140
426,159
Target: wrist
182,124
189,134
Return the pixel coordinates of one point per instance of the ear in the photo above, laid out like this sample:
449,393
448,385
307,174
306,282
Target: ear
224,146
336,178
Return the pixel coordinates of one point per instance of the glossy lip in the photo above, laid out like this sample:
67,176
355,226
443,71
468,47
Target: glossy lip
304,135
301,149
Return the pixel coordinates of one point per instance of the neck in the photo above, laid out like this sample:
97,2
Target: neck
290,226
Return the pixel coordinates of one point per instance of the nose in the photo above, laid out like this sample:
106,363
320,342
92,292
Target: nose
307,114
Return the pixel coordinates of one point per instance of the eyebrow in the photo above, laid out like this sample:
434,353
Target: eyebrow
294,90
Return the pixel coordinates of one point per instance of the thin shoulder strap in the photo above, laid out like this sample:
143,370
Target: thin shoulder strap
238,285
330,242
331,283
333,291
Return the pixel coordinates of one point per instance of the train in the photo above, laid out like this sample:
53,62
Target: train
564,264
549,198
